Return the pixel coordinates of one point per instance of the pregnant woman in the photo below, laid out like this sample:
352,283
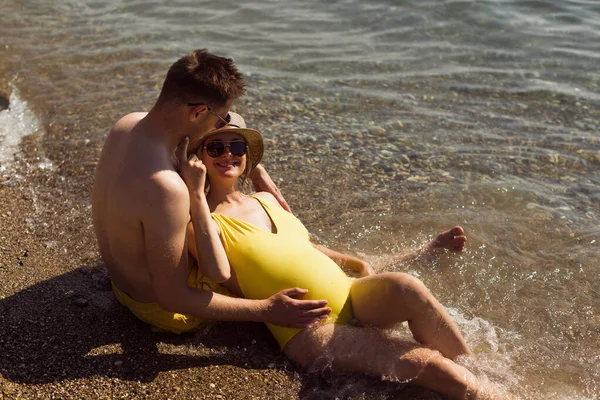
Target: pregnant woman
256,248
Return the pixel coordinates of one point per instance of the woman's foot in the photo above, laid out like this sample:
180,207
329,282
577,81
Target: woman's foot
453,240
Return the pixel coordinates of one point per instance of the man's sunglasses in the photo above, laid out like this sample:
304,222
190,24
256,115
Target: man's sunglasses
222,121
217,148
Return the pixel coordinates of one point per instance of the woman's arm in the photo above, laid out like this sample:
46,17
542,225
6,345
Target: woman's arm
362,268
211,256
263,183
205,244
191,240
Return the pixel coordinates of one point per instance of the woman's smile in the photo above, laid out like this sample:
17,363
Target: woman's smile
227,165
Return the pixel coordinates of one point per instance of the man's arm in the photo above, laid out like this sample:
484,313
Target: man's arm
263,183
166,209
167,215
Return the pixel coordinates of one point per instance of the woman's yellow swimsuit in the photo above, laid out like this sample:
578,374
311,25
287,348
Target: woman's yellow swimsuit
266,263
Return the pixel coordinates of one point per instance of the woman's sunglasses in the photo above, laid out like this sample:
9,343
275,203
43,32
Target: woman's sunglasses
216,149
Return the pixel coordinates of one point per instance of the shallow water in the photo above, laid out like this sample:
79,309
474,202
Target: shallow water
385,124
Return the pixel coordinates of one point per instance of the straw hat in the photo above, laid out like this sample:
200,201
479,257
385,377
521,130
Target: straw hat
252,137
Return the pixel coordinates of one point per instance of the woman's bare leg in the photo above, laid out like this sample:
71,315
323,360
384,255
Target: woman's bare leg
386,299
453,240
371,351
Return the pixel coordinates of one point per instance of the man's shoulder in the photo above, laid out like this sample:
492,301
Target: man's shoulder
167,185
164,200
128,122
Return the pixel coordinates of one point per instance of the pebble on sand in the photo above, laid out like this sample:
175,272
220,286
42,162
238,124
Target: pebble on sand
377,130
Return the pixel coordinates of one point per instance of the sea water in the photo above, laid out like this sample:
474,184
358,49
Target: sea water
16,121
385,123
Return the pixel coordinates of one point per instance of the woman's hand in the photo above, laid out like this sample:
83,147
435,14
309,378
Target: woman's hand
346,262
191,169
365,269
358,266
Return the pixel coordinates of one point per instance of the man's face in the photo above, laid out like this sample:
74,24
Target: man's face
207,122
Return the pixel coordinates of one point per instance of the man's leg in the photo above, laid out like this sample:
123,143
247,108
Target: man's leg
371,351
386,299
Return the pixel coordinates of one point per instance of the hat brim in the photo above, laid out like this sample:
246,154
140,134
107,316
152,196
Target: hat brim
253,139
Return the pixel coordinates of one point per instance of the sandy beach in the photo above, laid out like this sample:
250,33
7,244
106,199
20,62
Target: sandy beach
385,123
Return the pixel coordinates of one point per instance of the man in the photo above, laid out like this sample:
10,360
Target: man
141,207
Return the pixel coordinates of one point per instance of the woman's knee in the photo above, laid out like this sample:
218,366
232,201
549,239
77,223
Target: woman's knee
409,287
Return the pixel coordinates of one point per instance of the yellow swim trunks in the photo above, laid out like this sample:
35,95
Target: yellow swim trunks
154,315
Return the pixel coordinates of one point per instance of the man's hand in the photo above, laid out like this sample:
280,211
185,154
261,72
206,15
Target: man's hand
263,183
286,309
192,169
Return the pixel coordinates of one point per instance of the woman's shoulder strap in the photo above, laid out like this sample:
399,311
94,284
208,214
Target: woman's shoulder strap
266,198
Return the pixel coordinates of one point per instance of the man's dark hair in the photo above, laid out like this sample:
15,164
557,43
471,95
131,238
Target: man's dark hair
202,77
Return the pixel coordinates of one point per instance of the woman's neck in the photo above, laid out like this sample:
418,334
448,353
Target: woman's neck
223,194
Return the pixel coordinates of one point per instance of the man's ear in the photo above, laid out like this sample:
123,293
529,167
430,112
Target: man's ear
197,111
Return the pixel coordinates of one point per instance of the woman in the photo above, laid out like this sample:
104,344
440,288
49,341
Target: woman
255,248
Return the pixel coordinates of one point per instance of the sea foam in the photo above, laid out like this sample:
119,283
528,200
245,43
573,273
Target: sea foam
16,122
